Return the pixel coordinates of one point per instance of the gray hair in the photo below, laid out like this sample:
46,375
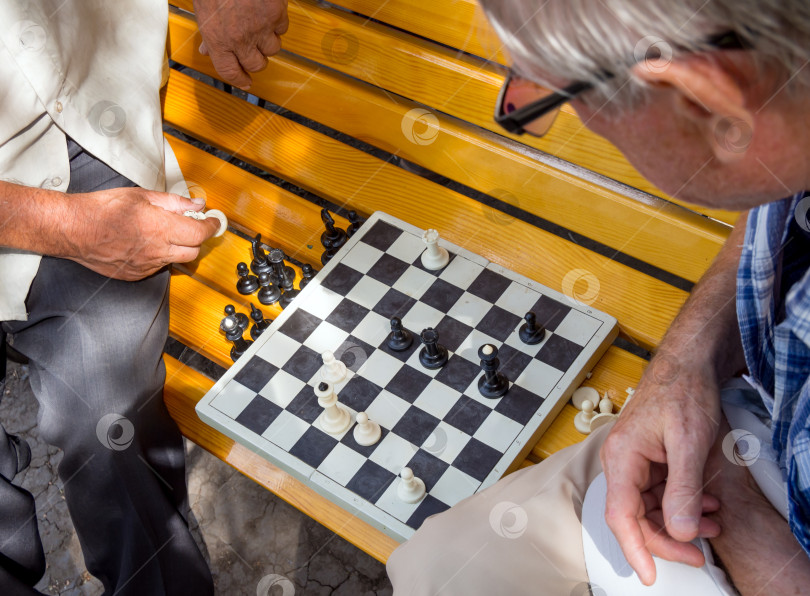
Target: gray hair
576,40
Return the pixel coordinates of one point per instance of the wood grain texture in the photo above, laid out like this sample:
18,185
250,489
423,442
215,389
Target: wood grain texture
185,387
655,231
644,306
440,78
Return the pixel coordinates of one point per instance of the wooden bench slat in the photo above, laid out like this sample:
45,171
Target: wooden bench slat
655,231
617,370
643,305
185,387
461,86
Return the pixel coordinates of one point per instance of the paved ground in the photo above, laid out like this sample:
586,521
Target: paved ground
250,537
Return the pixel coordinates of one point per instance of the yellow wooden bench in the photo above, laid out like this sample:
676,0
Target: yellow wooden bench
411,85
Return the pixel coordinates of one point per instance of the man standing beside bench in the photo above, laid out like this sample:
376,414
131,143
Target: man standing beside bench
710,100
84,171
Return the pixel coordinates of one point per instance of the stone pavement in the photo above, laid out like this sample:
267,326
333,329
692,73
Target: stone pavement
251,539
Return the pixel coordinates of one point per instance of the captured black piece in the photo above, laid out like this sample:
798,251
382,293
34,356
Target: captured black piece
242,319
286,297
268,294
283,275
259,264
333,237
233,333
492,383
354,223
530,332
432,355
400,339
327,255
247,283
259,322
307,274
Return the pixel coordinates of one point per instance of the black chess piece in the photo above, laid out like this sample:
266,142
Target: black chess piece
259,264
241,318
233,333
492,383
333,237
400,339
268,293
530,332
307,274
283,275
327,255
247,283
432,355
286,297
354,225
259,322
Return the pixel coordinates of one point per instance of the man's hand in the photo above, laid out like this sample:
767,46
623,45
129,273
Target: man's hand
130,233
240,34
653,462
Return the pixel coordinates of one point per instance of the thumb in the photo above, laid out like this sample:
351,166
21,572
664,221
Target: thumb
203,49
175,203
683,497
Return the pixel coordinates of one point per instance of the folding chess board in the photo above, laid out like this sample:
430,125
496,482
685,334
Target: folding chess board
434,421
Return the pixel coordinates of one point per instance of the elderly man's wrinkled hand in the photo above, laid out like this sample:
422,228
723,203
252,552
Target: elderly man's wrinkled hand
653,461
239,35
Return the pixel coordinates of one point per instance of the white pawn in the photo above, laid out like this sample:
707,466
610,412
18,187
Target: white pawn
582,394
605,405
367,432
334,419
333,371
435,257
411,489
582,421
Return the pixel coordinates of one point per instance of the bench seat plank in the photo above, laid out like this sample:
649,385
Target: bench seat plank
643,305
655,231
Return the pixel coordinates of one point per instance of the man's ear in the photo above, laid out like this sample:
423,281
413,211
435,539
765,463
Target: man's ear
709,94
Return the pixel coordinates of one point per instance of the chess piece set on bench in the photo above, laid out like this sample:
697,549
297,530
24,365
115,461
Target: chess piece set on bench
594,411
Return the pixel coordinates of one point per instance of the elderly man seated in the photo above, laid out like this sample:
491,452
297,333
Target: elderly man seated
704,481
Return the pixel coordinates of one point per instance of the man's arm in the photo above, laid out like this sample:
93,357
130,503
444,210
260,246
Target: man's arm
668,428
124,233
240,34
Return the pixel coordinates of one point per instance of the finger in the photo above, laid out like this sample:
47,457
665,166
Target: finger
183,254
252,60
270,45
665,547
283,24
185,231
175,203
623,510
228,67
683,497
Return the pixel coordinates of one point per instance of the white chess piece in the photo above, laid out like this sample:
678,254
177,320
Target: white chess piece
582,421
606,405
334,419
215,213
601,419
411,489
435,257
584,393
367,432
333,371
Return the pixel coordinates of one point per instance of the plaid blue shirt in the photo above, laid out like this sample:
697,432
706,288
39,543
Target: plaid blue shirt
773,307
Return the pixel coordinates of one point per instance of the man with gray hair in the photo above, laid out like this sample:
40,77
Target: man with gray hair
709,100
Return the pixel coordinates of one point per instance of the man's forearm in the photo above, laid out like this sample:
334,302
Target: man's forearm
707,326
32,219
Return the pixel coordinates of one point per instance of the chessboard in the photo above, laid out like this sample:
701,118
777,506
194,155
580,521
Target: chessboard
435,422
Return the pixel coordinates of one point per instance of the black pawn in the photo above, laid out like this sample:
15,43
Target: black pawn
259,263
327,255
492,383
259,322
268,294
399,339
530,332
286,297
240,317
333,237
247,283
283,276
307,274
233,333
354,225
432,355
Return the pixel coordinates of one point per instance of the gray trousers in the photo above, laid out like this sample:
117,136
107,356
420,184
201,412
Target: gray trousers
95,347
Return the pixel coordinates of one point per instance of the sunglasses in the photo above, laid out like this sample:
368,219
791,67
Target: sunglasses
524,107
